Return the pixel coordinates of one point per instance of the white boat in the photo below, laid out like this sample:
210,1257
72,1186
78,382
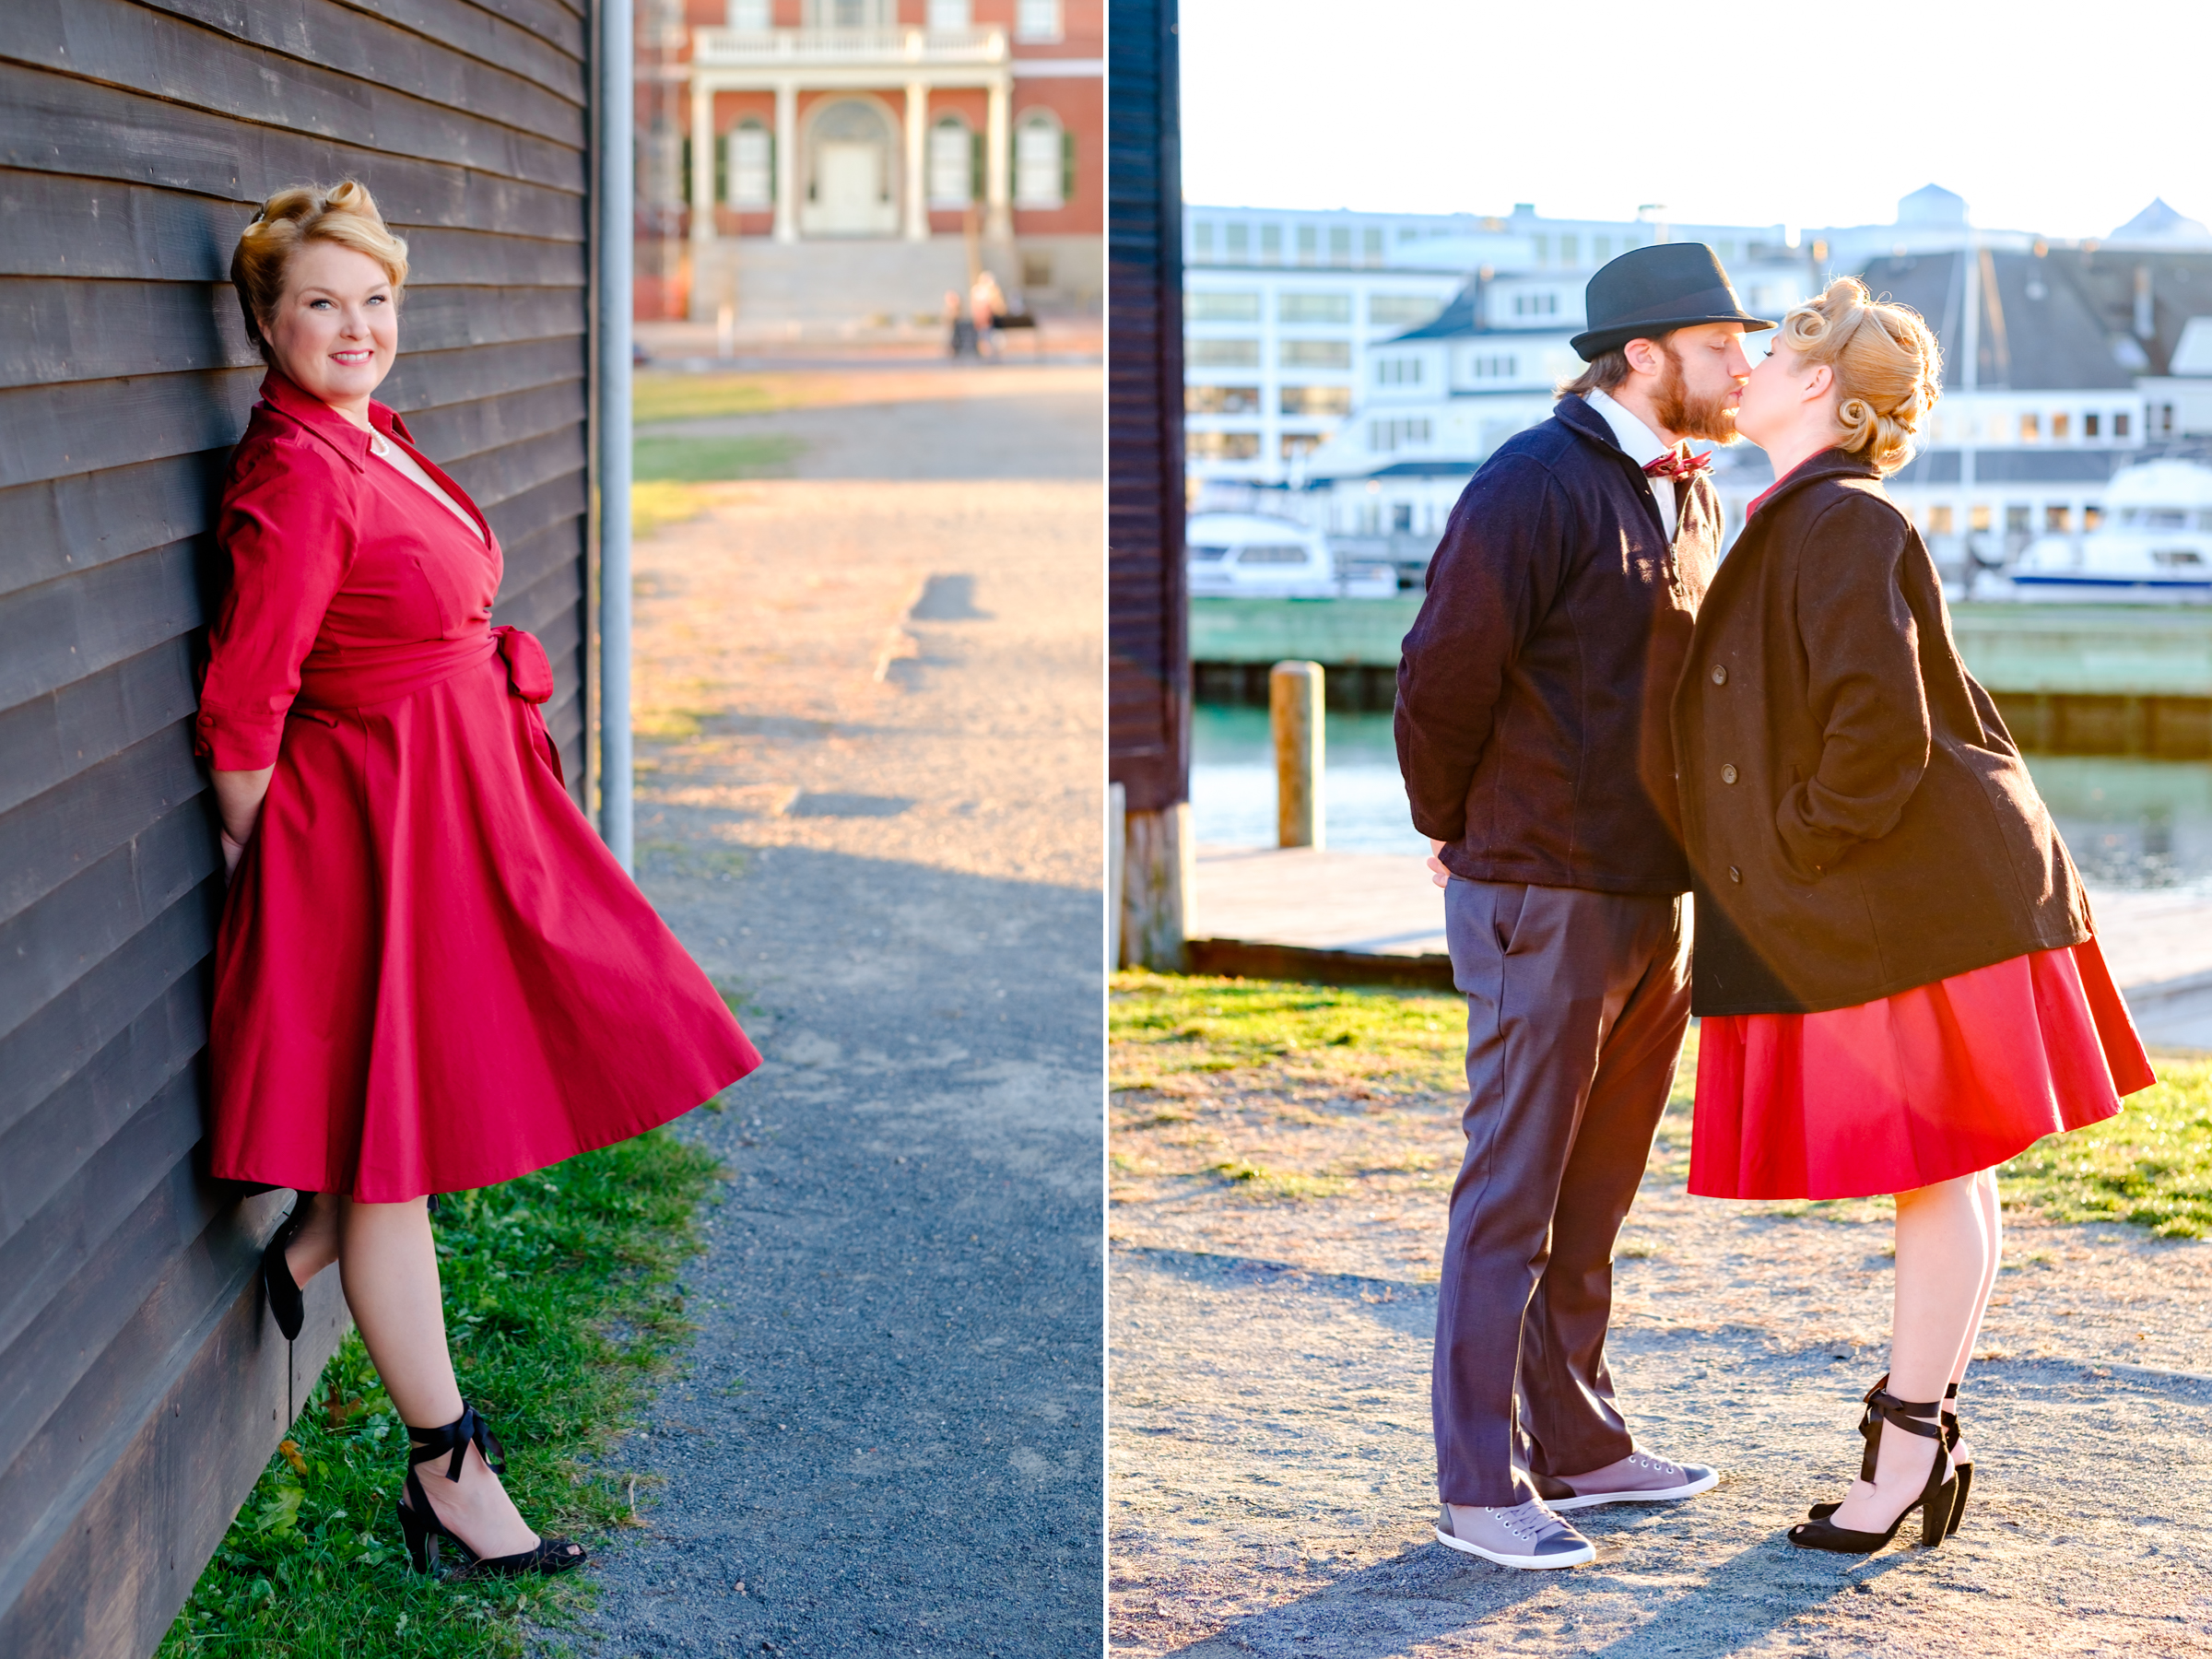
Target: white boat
1252,556
2153,546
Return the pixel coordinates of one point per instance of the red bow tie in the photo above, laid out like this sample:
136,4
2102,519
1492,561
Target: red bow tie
1679,464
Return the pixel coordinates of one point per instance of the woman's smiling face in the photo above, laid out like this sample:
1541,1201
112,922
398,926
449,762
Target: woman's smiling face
337,329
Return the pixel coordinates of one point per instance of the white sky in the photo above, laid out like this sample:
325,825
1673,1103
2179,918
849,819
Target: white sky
2064,119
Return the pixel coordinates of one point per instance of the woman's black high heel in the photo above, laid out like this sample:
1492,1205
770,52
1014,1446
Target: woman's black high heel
1935,1502
419,1522
286,1301
1870,1426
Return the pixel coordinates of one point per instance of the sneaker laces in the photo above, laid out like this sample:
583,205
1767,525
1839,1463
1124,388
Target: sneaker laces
1531,1522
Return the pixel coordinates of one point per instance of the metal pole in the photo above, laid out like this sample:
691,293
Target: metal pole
616,140
1297,714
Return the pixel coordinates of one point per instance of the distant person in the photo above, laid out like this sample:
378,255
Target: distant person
429,974
1531,729
962,343
986,305
1897,981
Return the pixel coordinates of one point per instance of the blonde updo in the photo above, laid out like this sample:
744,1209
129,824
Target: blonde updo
1888,368
345,214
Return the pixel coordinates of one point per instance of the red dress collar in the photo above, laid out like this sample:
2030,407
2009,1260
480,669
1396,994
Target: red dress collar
284,395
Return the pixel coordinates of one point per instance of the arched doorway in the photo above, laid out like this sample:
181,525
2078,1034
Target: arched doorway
852,177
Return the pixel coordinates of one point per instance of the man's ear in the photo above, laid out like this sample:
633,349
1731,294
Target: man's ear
1643,355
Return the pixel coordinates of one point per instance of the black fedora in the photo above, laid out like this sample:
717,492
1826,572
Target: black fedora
1647,291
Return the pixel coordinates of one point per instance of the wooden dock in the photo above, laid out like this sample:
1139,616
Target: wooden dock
1368,918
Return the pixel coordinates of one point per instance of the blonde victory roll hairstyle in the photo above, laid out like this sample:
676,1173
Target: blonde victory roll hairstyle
1888,366
345,214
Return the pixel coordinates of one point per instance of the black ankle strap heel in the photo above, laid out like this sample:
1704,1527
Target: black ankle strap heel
1936,1499
1950,1444
419,1522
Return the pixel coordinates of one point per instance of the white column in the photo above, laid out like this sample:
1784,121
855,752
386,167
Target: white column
702,168
917,161
998,218
787,161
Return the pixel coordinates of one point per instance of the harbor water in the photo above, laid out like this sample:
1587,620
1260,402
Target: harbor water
2131,824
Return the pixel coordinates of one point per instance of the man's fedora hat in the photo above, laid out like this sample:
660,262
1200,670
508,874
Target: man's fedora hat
1647,291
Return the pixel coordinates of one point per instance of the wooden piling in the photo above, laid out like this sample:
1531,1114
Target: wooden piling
1296,715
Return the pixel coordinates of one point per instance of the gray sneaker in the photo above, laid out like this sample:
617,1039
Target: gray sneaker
1636,1479
1528,1535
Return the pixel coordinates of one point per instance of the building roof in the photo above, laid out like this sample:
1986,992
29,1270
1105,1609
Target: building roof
1460,316
2159,223
2040,330
2179,282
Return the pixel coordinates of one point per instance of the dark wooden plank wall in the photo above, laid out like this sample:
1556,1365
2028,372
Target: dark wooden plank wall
1149,680
141,1387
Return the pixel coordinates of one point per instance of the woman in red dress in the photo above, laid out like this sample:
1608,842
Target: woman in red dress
1897,979
429,974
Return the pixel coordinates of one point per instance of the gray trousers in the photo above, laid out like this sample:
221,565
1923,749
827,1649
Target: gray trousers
1577,1002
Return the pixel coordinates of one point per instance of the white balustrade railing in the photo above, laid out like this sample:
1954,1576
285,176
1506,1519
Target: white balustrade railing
742,46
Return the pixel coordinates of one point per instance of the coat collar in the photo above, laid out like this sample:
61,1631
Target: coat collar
284,395
1827,464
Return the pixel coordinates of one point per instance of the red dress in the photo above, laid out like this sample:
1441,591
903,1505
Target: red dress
430,974
1943,1081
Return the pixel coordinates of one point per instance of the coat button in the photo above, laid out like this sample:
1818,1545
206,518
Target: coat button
1735,874
1727,775
1720,674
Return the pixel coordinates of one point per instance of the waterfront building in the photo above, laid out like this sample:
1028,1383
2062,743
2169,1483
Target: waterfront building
825,163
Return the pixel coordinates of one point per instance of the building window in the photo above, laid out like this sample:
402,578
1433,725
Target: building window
1601,249
2120,423
1939,521
1313,308
949,14
2031,428
952,174
1314,354
1222,354
1201,230
752,167
1036,20
2061,426
1041,157
1222,446
1383,436
1296,446
1271,244
2165,413
2089,425
1401,517
751,16
2015,519
849,14
1316,400
1400,311
1340,245
1499,367
1398,371
2092,515
1221,400
1239,240
1977,516
1370,245
1309,244
2058,519
1543,247
1536,305
1725,250
1202,306
1570,248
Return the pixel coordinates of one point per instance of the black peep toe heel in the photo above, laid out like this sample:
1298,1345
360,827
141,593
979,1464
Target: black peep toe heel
1870,1426
288,1304
419,1522
1936,1498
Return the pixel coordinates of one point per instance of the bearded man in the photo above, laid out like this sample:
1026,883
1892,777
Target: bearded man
1532,730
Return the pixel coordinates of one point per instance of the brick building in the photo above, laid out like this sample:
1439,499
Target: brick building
856,159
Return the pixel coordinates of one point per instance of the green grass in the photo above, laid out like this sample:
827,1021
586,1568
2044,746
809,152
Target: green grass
666,396
713,460
2150,1166
562,1308
661,502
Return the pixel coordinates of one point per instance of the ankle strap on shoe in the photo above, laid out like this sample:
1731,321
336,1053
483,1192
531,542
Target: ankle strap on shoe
1907,1415
427,1445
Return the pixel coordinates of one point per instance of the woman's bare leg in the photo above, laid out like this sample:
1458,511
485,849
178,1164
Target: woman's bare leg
315,1245
1990,1207
390,1264
1941,1249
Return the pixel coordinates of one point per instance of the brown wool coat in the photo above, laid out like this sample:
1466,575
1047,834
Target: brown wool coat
1857,818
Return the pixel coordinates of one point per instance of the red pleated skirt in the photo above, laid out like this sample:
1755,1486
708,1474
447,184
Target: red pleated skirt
1932,1083
430,974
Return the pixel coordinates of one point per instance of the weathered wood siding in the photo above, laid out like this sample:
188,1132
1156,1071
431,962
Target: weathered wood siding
141,1386
1148,687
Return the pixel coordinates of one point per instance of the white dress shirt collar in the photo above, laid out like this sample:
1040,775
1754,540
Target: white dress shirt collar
1640,444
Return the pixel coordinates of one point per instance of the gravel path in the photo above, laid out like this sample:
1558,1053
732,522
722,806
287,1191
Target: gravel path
1273,1477
868,793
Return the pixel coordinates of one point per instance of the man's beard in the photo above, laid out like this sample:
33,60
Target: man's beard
1709,417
